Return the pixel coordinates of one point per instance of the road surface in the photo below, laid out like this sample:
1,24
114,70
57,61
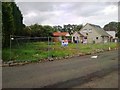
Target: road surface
67,73
107,81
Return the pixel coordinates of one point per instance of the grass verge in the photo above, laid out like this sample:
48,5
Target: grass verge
36,51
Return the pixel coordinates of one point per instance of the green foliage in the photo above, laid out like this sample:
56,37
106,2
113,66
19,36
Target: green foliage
118,34
58,28
0,22
39,30
11,22
35,51
68,28
8,22
48,30
27,31
36,30
17,16
78,27
113,26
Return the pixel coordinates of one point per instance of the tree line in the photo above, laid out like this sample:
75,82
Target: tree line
70,28
12,24
46,30
37,30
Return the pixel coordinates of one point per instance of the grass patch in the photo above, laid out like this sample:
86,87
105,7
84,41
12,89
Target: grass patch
40,50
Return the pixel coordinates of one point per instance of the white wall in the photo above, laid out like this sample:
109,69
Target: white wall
112,33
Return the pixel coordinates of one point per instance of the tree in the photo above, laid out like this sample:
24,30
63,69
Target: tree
8,27
68,28
41,31
11,22
78,27
36,30
0,22
112,26
17,20
58,28
48,30
27,31
118,33
72,28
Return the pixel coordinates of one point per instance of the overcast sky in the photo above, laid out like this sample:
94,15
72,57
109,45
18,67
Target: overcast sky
59,13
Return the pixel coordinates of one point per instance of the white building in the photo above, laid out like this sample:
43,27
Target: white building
112,33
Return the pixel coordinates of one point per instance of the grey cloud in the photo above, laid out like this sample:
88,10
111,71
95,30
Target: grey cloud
34,20
45,9
86,9
33,6
41,6
41,17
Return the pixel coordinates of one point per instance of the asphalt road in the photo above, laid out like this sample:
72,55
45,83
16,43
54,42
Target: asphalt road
65,73
102,82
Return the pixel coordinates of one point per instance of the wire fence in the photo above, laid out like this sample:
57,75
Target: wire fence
30,48
24,48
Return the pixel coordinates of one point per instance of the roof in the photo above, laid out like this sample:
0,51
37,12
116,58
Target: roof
81,35
61,34
95,25
100,30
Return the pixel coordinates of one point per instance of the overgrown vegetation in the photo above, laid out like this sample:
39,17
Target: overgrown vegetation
11,22
41,50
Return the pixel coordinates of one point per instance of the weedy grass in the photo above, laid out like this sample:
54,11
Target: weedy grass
36,51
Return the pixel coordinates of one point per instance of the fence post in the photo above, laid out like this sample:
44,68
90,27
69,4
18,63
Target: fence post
48,47
10,47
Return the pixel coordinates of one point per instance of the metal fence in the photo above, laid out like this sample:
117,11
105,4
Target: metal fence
24,48
30,48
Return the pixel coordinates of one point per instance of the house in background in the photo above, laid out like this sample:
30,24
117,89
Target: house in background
58,36
113,34
94,34
77,37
